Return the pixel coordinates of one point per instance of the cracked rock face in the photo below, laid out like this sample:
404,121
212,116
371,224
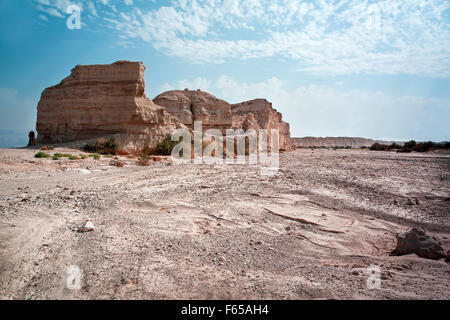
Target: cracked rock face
263,116
417,241
102,100
189,106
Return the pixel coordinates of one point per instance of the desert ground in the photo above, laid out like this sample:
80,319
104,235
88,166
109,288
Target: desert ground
169,231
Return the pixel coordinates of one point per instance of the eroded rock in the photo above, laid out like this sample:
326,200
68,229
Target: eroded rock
103,100
189,106
418,242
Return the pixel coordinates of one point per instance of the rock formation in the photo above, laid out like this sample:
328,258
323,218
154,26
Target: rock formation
103,100
259,114
31,139
418,242
189,106
330,142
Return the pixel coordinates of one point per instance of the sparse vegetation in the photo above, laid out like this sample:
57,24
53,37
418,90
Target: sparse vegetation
96,156
103,146
42,155
143,161
341,147
165,147
58,156
411,146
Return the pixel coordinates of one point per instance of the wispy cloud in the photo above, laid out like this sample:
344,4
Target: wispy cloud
324,37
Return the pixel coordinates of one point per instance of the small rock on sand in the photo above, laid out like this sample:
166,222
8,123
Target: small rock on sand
86,227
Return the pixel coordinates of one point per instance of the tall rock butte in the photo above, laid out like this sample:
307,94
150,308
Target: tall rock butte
103,100
109,100
189,106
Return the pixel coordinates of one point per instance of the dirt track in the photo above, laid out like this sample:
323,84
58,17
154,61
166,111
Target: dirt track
222,232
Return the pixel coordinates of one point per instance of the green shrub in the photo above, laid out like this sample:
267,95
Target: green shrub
165,147
42,155
410,144
378,147
102,146
72,157
83,156
96,156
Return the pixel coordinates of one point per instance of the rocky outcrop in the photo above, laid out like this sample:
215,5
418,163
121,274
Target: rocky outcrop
103,100
189,106
330,142
259,113
418,242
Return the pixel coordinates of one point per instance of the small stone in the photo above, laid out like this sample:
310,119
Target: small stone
86,227
355,272
116,163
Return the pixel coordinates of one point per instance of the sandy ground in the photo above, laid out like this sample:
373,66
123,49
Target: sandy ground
222,232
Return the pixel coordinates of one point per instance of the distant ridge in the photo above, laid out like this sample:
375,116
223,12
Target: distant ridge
330,142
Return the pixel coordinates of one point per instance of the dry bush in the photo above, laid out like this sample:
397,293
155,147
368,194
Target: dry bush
103,146
122,152
144,161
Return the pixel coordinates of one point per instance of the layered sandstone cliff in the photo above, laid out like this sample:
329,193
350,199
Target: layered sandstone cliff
102,100
330,142
189,106
260,114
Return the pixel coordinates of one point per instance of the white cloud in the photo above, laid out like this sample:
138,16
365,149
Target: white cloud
51,11
332,111
197,83
92,8
326,37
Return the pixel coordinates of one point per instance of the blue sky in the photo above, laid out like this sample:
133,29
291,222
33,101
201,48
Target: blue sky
376,69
